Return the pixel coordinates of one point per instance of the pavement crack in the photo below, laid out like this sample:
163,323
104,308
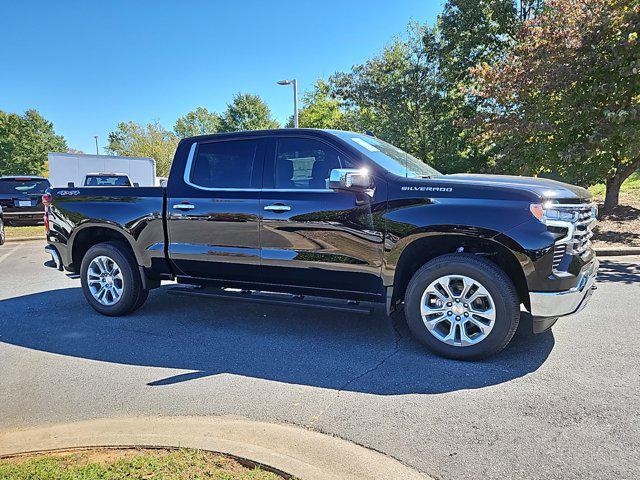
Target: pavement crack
397,341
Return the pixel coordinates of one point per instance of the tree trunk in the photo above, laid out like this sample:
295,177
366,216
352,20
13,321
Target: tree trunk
612,195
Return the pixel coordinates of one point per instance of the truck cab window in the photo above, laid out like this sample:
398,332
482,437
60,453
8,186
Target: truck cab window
304,163
224,164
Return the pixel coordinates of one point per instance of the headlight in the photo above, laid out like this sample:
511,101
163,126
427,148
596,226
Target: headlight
547,213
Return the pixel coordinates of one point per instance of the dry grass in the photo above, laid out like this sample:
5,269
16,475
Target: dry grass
24,232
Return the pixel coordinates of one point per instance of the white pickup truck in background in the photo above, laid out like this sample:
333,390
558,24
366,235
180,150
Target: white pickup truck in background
66,168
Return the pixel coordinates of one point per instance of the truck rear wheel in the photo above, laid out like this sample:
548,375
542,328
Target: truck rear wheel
111,280
462,306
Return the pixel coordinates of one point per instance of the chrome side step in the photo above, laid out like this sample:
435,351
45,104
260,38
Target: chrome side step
274,299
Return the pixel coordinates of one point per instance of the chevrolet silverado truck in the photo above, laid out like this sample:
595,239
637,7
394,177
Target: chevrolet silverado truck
335,215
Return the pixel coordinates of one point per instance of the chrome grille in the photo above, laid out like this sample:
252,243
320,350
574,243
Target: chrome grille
558,252
583,229
579,231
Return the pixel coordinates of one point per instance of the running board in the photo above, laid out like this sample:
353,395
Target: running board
273,299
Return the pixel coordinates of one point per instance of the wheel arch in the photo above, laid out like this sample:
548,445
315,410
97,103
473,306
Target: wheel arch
424,248
89,235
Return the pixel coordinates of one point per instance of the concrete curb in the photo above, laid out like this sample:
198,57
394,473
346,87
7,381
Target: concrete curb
617,251
303,453
24,239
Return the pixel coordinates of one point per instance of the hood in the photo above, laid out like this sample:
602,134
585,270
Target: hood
545,188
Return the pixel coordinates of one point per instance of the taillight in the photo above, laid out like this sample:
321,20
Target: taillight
46,201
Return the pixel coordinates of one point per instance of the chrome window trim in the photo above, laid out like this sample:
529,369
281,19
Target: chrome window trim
189,166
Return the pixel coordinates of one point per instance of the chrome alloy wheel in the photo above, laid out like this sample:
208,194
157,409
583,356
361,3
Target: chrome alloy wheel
105,281
458,310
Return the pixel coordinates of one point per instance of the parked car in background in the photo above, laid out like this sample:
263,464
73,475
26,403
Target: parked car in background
21,199
342,215
67,168
108,180
1,227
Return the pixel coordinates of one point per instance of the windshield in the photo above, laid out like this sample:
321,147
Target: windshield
24,185
106,181
389,157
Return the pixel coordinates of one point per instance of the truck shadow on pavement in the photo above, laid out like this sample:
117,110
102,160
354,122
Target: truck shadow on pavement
621,272
204,337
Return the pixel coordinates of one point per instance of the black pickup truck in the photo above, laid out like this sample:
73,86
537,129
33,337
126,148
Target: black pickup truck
340,215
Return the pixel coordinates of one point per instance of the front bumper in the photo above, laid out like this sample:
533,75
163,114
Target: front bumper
567,302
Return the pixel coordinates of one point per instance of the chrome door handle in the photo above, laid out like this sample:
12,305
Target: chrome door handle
278,208
184,206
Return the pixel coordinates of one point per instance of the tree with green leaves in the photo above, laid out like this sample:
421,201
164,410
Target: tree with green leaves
477,31
566,99
198,122
247,112
25,141
153,140
321,110
395,94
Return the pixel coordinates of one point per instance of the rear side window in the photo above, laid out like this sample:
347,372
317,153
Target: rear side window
305,163
227,164
24,185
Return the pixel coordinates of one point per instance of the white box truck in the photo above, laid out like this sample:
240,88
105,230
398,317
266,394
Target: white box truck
65,168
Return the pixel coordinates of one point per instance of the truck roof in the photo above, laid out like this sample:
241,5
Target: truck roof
112,174
273,132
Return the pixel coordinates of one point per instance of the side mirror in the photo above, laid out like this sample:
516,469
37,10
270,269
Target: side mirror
350,179
71,185
136,184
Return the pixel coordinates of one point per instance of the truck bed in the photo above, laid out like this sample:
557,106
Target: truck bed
136,212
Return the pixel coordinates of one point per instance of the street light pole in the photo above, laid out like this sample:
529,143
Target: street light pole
96,137
295,104
293,82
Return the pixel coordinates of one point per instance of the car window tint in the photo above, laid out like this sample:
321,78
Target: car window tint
224,164
305,163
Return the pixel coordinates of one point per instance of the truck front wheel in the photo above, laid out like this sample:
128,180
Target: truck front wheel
111,280
462,306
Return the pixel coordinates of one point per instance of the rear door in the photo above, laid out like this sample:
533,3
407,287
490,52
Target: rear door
213,211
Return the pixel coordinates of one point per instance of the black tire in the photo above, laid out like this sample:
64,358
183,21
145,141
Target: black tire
132,292
497,283
142,297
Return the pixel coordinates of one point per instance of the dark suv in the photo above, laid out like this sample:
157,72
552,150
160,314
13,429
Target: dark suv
21,199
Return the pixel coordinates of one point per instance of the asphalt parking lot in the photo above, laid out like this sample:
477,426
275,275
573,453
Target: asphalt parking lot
563,404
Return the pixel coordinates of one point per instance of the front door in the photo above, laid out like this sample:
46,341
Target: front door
213,213
313,236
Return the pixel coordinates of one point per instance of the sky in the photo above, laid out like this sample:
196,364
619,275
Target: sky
88,65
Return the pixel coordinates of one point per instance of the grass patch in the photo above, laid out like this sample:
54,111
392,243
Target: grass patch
631,186
116,464
24,232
